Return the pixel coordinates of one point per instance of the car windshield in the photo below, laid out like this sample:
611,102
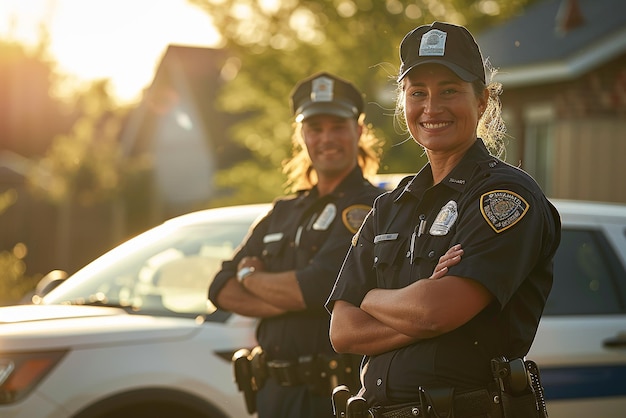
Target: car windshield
164,271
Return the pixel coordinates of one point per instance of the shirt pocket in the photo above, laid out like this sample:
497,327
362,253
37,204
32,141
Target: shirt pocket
273,245
389,252
427,254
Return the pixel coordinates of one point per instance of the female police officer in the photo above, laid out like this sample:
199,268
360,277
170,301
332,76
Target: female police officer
428,338
286,268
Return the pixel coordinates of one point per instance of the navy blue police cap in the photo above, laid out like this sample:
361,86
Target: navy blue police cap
326,94
446,44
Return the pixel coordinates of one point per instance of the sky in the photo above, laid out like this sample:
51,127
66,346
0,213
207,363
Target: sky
122,40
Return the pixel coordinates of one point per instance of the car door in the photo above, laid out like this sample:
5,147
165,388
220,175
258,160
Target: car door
581,341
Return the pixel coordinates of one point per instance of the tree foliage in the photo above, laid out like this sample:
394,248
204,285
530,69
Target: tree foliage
66,153
276,43
31,115
72,140
84,163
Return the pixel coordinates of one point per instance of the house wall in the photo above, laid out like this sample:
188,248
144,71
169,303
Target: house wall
586,121
590,159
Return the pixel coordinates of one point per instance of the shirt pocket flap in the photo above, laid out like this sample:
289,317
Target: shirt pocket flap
387,248
273,244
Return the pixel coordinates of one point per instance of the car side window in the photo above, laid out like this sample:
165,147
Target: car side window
585,274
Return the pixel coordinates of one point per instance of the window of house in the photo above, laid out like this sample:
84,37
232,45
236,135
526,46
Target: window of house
539,144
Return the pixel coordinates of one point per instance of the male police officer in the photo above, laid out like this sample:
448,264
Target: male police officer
285,269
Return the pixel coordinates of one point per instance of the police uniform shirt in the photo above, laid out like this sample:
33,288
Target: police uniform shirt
309,234
509,233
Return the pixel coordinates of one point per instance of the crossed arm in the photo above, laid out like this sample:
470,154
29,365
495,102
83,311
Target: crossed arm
262,294
388,319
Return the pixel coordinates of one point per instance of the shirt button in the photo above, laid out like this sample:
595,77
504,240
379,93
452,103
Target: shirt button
379,382
375,259
408,254
431,254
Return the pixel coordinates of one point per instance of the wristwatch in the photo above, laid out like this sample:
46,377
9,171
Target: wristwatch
244,272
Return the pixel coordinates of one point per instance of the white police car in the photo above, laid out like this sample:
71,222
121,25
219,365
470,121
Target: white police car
132,334
138,338
581,341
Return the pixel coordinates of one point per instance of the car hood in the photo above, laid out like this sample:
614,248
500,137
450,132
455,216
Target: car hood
35,327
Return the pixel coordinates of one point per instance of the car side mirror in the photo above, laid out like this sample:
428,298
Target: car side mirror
48,283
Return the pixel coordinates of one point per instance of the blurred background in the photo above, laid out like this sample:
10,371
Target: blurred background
116,115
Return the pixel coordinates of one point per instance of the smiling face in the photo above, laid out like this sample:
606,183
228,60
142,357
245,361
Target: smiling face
441,110
332,144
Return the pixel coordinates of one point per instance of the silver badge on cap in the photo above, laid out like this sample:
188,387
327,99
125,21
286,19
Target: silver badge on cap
433,43
322,89
445,219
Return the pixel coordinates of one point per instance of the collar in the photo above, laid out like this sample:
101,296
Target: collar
458,178
352,181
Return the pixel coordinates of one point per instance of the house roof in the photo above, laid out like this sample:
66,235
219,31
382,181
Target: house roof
185,74
531,48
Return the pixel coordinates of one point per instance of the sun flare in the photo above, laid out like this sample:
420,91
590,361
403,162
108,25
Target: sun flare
119,40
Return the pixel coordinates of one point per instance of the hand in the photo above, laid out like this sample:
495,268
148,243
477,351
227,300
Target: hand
255,262
449,259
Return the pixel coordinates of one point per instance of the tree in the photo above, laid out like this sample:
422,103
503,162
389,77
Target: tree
66,153
84,164
277,43
31,115
85,176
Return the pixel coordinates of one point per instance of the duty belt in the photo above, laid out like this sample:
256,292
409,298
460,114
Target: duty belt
431,403
469,404
311,369
515,392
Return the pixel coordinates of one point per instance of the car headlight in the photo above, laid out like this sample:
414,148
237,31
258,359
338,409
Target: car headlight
21,372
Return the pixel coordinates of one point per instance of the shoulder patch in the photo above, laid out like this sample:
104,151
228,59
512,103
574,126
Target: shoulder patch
353,216
502,209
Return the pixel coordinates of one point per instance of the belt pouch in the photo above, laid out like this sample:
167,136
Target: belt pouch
340,397
439,401
258,367
244,378
522,406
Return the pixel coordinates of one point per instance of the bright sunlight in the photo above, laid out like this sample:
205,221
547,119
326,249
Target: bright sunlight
120,40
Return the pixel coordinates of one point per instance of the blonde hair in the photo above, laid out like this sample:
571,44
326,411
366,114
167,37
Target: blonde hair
299,168
491,127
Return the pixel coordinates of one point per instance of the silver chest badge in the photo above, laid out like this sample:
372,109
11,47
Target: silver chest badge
445,219
326,218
